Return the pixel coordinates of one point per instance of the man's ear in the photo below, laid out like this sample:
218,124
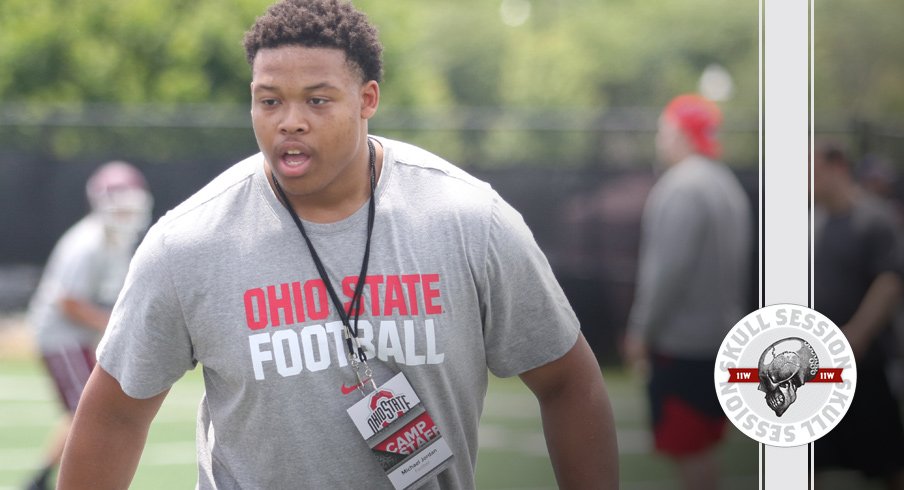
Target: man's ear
370,99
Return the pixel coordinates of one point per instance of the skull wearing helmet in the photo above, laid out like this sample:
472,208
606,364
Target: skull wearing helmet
784,367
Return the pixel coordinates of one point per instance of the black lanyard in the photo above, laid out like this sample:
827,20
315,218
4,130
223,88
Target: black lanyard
355,304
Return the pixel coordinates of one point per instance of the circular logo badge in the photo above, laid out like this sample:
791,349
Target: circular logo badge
785,375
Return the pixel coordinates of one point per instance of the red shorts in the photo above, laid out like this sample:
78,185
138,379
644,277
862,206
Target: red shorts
70,369
687,416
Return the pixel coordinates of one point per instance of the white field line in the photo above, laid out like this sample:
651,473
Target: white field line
155,454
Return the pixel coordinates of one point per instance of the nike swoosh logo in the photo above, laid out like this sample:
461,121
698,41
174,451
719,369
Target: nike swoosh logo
349,389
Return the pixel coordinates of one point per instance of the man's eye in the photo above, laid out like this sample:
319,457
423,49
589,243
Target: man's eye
318,101
269,102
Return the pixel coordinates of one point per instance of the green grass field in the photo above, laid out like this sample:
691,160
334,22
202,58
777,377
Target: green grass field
512,450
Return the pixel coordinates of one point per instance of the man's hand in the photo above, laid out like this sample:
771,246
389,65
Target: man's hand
636,356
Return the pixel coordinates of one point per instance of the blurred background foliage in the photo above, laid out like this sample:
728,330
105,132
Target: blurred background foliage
546,53
859,70
485,83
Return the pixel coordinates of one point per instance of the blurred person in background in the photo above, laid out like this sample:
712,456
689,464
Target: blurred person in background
876,174
692,282
80,282
858,273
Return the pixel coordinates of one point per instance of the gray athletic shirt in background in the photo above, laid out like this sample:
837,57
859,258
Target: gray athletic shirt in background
225,280
694,263
83,265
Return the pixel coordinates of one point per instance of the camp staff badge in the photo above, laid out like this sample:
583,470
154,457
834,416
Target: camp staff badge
402,435
785,375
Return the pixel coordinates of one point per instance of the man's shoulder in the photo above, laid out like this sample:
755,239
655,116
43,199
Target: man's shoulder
235,177
85,236
419,161
870,211
212,213
698,174
423,185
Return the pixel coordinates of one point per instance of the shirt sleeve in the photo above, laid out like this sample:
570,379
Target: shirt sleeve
146,345
528,321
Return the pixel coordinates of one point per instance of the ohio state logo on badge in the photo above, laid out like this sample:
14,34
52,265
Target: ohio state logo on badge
785,375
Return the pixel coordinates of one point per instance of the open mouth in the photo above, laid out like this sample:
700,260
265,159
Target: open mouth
295,158
294,162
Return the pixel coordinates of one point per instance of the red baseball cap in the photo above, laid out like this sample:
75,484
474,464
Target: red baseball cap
698,118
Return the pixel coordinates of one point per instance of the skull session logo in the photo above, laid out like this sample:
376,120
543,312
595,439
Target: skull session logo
781,374
785,375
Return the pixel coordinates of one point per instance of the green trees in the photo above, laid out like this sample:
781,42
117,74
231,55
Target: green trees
480,80
162,51
577,54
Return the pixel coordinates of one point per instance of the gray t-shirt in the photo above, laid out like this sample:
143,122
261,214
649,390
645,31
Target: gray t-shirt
456,286
694,263
83,265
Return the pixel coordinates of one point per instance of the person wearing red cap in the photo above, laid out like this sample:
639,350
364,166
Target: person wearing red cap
84,274
691,286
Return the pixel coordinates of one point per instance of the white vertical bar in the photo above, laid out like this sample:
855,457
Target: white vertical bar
784,179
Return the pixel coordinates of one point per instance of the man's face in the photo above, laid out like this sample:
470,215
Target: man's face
309,110
825,179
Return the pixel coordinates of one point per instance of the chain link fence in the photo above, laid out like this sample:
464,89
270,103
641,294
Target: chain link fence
578,176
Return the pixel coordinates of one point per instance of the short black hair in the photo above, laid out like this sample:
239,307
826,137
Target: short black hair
319,24
832,151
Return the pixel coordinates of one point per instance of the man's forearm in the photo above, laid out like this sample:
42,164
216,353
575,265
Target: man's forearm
96,457
85,313
577,420
881,300
879,304
580,435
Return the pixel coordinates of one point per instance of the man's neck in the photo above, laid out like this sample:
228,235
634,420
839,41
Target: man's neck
842,201
678,156
341,204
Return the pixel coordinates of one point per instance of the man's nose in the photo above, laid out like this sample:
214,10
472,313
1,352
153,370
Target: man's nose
295,121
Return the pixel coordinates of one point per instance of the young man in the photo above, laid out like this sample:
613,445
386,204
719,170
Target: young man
859,280
306,277
79,285
691,286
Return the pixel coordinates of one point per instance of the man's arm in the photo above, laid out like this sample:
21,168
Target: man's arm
107,436
577,419
879,304
85,313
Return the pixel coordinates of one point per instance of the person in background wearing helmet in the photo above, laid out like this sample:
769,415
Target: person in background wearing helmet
80,283
691,286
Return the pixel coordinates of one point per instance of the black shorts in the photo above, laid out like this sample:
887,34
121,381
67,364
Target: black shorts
870,436
687,416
